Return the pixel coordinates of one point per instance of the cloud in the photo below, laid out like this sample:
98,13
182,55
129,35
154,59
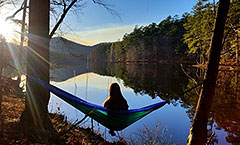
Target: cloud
96,36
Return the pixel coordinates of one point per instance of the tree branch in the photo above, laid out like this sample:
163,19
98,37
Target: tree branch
14,14
67,8
107,7
61,18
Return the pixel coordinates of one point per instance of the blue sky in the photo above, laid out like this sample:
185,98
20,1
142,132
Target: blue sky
94,24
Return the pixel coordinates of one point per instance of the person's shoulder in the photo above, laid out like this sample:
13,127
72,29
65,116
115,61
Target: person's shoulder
106,102
124,103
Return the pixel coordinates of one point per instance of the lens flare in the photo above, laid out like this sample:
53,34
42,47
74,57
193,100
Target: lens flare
7,29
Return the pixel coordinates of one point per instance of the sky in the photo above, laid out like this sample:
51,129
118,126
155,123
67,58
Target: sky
93,24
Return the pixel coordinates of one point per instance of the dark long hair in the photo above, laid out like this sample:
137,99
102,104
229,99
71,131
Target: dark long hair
115,91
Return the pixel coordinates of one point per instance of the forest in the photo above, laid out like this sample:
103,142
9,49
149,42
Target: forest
186,38
163,41
207,38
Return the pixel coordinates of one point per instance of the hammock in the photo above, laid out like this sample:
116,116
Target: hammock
115,120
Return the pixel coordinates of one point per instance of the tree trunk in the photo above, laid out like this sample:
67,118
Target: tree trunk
1,71
35,115
198,130
23,22
237,49
22,39
2,65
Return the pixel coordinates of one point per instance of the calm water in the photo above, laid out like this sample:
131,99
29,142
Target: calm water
142,85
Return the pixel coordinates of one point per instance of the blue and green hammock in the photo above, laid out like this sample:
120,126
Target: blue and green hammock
114,120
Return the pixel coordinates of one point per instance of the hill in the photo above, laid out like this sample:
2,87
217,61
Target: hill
64,52
68,59
60,44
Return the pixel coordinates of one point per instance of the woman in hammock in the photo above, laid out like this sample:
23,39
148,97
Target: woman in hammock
115,101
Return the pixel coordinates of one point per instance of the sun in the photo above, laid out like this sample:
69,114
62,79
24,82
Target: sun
7,29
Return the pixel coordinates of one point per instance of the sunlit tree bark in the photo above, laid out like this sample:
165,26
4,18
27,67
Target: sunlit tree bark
35,114
198,130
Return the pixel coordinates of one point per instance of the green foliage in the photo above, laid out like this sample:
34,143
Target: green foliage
100,53
175,37
199,27
200,24
150,43
155,41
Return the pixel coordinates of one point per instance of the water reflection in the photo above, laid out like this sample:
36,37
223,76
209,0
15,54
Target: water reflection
226,106
162,80
141,83
60,74
94,88
97,92
168,81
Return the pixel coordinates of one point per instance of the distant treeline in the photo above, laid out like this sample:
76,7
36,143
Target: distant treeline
187,38
155,42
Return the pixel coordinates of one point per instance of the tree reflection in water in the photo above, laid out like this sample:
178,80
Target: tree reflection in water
169,81
226,106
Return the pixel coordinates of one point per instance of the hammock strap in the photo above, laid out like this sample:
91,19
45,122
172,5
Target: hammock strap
194,87
74,125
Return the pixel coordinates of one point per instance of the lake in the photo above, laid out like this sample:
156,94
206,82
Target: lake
145,84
